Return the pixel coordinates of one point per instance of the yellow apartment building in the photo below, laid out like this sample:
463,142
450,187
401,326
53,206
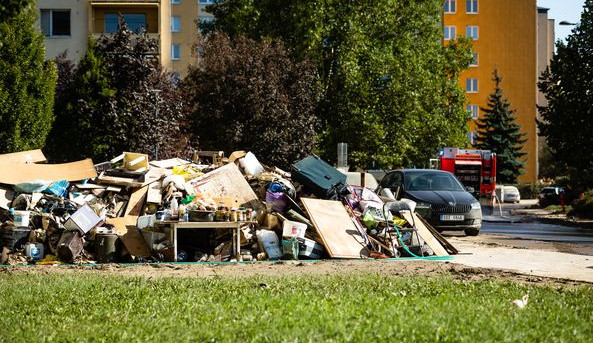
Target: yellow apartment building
67,24
505,37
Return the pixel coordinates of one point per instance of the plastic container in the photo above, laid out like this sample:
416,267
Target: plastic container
200,216
21,218
292,229
106,248
34,251
251,164
268,241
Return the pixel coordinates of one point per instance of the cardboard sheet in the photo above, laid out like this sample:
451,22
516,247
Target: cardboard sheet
336,229
130,236
14,173
428,238
227,182
29,156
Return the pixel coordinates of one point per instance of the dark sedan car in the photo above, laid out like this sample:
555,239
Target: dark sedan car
440,198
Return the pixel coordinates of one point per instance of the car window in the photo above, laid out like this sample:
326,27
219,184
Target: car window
431,181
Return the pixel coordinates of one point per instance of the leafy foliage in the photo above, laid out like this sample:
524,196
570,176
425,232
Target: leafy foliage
117,99
583,207
249,95
27,84
389,87
567,120
12,8
498,132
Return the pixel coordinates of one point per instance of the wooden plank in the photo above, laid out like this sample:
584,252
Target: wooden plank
130,236
335,227
444,242
170,163
153,175
14,173
154,195
136,202
428,238
29,156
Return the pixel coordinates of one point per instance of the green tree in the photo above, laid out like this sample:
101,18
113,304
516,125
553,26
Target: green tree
27,84
11,8
389,87
117,99
247,95
567,120
498,133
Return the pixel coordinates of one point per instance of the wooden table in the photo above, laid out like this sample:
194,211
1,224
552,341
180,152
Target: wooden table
208,225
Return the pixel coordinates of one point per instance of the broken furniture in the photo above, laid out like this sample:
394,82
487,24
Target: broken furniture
236,226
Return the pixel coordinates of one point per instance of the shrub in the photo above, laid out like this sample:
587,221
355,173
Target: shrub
583,207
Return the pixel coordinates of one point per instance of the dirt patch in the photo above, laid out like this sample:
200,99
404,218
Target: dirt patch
288,268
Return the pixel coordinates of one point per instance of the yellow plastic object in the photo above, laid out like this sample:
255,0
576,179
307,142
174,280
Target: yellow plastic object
49,260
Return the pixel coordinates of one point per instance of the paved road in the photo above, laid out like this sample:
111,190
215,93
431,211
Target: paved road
539,231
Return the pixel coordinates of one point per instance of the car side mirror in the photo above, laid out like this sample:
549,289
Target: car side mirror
470,189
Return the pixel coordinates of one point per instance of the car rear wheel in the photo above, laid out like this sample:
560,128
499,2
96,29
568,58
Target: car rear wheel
471,232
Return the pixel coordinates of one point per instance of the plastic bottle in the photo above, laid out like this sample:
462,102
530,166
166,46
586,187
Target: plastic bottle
183,213
174,208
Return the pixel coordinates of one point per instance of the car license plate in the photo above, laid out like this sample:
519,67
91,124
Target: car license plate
452,217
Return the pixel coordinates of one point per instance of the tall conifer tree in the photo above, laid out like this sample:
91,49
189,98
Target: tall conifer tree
27,84
498,133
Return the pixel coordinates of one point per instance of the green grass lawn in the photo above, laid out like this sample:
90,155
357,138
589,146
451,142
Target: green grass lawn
346,308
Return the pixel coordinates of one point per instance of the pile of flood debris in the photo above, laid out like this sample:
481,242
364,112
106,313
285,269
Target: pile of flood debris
211,208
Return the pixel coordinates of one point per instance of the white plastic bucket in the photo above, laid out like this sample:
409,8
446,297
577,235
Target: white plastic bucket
21,218
292,229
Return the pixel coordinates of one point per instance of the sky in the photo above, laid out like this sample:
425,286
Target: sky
568,10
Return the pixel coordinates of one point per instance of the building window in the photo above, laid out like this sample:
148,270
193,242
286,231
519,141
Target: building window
175,1
206,1
450,6
474,62
55,23
175,23
450,32
471,32
175,52
471,85
473,110
471,6
136,22
472,137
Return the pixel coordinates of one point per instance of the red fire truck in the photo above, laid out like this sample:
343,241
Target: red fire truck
474,168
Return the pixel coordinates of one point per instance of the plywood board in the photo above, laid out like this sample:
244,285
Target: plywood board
227,182
428,238
29,156
130,236
444,242
14,173
336,229
136,202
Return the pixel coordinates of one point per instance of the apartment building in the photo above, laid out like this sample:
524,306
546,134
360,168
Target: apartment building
67,24
507,35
